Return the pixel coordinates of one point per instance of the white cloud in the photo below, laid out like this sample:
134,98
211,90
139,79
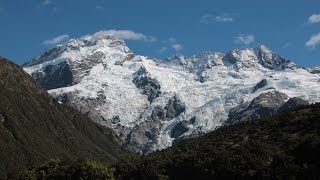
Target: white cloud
286,45
244,39
313,41
223,19
170,44
177,47
56,40
152,39
173,43
100,8
209,18
162,49
46,2
315,18
172,40
124,35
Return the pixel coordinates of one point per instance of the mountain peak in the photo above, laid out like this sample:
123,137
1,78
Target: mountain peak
264,52
79,49
136,96
261,54
101,35
262,48
250,52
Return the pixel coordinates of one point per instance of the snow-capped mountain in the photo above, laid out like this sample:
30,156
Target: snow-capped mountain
153,103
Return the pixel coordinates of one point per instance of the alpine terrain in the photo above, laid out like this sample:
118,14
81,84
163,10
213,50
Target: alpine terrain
35,128
152,104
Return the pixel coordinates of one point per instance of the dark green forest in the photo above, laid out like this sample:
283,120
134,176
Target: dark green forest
35,128
285,146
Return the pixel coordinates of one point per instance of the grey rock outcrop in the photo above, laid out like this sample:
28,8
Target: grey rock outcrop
264,105
180,128
293,103
260,85
270,60
149,86
143,136
314,70
54,76
173,108
85,106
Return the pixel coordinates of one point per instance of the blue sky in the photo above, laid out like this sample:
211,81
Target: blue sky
163,28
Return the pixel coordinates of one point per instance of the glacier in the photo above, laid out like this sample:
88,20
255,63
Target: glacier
144,100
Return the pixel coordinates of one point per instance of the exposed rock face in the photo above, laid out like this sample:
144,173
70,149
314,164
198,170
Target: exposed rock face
270,60
148,85
179,129
264,105
260,85
197,64
86,106
67,73
260,54
82,69
54,76
293,103
143,137
314,70
173,109
54,69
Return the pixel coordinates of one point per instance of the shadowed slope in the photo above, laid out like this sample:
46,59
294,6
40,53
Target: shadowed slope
35,128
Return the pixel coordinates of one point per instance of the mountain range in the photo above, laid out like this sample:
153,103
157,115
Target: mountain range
152,104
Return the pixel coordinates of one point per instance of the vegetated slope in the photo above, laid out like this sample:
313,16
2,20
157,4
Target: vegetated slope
286,145
34,127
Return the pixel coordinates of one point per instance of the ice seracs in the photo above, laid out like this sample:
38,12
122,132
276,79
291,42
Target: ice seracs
153,103
314,70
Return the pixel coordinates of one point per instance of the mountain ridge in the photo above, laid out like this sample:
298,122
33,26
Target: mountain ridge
35,127
134,94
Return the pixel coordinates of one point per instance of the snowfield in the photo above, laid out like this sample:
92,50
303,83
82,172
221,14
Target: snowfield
208,85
